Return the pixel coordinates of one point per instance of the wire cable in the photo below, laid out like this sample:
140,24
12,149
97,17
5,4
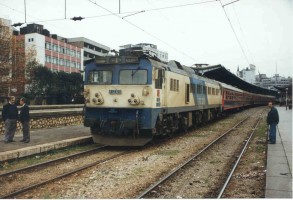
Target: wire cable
148,33
234,32
112,13
244,39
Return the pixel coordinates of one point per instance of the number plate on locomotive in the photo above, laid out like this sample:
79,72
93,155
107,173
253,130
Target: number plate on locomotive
115,92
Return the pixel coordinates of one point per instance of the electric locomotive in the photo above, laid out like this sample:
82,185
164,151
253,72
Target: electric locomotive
131,99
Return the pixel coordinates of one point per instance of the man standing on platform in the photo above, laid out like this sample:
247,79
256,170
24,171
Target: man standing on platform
9,117
272,120
24,118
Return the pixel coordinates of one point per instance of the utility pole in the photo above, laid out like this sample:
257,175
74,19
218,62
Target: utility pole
276,74
25,11
65,10
119,7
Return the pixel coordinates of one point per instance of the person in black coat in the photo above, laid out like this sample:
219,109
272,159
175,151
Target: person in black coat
272,120
9,117
24,118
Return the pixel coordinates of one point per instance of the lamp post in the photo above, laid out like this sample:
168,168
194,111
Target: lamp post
286,98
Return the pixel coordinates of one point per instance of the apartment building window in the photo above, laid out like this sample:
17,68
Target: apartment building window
67,51
48,59
61,62
47,45
55,47
73,53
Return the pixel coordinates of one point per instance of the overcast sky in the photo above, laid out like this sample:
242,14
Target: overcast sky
189,32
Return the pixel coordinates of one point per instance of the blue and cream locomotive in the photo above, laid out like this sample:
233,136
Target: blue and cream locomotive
131,99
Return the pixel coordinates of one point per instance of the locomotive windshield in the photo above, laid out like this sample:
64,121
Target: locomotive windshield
100,77
133,77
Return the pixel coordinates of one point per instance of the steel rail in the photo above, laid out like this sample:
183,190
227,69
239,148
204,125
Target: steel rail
51,161
11,195
163,179
237,162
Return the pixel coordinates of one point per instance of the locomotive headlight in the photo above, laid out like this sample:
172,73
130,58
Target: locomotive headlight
134,100
145,91
98,99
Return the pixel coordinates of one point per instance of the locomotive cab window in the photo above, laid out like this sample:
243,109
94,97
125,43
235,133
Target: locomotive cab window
133,77
100,77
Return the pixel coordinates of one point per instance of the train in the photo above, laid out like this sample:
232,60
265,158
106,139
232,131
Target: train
131,99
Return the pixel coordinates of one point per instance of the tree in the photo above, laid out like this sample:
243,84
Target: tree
56,87
15,62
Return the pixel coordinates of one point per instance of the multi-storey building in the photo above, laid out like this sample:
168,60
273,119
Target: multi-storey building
52,52
247,74
91,49
150,49
276,80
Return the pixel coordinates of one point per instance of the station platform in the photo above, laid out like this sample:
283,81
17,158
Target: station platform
43,140
279,159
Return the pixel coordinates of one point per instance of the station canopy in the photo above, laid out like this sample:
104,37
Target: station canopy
220,73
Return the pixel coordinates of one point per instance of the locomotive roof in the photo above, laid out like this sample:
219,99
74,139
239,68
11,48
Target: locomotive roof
176,67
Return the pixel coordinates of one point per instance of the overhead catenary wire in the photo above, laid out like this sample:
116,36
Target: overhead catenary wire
148,33
121,13
149,10
244,39
234,33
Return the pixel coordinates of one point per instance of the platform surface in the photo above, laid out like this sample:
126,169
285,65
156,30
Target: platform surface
279,159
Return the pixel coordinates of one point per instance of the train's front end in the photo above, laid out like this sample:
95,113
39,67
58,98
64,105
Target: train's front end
118,100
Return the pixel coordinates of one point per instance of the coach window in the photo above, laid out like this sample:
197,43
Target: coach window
100,77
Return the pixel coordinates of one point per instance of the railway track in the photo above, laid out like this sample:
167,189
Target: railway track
30,171
157,190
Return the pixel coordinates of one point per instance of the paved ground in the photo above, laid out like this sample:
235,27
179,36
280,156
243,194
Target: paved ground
43,140
279,162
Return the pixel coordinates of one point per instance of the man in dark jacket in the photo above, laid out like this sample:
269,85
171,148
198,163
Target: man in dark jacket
24,118
9,116
272,120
